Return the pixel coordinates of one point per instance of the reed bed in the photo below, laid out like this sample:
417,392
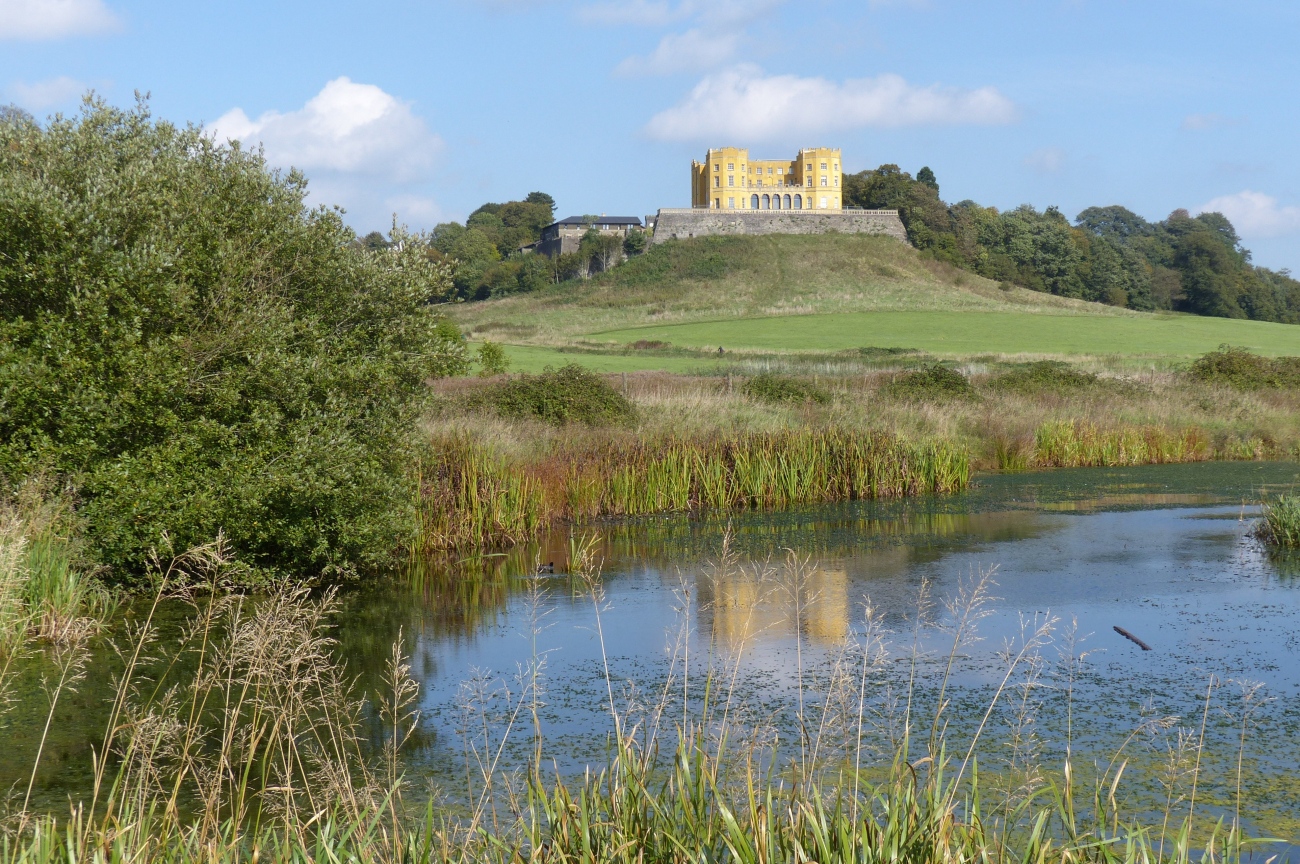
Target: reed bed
46,590
471,496
1080,444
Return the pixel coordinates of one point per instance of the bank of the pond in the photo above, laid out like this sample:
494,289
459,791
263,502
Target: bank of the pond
705,443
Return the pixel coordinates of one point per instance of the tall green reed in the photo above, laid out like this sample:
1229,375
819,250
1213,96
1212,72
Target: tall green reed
1281,523
469,496
1077,444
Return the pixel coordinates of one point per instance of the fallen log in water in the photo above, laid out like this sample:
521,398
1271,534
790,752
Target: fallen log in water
1130,637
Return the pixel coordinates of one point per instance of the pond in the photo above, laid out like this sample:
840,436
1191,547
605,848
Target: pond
766,615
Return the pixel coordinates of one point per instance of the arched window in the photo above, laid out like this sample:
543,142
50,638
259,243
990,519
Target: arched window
767,202
787,202
776,202
798,202
753,202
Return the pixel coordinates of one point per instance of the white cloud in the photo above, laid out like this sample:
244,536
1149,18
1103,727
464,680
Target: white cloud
691,51
1048,160
346,127
40,95
1255,214
360,147
743,103
1202,122
54,19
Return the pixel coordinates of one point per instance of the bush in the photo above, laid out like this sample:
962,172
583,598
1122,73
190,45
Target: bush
1044,375
873,353
196,352
776,389
1239,368
570,394
492,359
933,382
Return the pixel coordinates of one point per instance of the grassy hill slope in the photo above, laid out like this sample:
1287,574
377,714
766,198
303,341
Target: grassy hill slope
829,292
712,278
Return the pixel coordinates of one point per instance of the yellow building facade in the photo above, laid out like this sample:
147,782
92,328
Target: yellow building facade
728,179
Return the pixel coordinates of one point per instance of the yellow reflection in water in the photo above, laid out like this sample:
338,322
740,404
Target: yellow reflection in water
743,603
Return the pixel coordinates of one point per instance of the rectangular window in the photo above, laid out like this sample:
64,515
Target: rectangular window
824,180
823,202
778,171
717,203
717,167
717,182
837,179
731,179
731,203
809,166
731,166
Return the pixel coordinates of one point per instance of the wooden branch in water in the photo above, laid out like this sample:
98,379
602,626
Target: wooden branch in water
1130,637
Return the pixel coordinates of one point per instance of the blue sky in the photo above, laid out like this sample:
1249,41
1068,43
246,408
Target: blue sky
431,108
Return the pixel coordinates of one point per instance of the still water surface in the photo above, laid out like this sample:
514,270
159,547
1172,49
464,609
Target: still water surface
1164,552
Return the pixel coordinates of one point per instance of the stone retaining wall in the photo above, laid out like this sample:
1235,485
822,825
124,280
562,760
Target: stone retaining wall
700,222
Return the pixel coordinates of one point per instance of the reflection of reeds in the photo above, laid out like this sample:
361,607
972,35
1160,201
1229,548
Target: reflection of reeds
469,496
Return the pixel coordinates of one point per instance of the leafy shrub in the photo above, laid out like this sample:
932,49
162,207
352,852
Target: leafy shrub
776,389
935,381
570,394
649,345
1237,367
1044,375
492,359
196,352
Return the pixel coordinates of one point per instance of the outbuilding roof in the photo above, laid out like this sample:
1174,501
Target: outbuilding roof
599,220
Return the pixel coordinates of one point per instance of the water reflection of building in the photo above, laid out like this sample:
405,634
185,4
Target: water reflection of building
743,605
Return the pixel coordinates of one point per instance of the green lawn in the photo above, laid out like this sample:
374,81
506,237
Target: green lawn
965,333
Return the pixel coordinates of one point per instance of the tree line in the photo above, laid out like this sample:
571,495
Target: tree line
1109,254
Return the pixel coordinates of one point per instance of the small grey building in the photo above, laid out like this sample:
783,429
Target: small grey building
563,237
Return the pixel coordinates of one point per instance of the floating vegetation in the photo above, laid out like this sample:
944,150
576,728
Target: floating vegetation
470,496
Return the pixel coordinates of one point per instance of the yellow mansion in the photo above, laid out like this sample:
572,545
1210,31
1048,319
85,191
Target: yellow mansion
728,179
